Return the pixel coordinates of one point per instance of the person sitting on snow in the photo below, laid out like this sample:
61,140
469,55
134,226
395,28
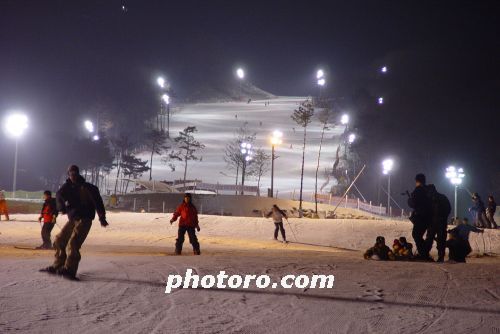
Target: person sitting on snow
401,252
407,247
458,242
379,251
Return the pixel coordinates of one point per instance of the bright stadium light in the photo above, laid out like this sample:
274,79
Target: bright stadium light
321,82
344,119
383,69
240,73
387,166
380,100
352,138
15,126
95,137
89,126
277,137
165,98
455,175
320,74
161,82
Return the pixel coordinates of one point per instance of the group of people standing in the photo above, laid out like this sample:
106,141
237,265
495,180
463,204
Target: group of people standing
430,222
483,216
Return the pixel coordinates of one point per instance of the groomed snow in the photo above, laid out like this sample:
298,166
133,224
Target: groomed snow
124,268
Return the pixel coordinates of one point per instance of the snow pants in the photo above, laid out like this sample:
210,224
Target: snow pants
418,236
68,243
437,231
279,227
3,209
193,239
458,249
491,219
46,229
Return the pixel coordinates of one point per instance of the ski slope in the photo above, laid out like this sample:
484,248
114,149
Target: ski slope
124,269
217,124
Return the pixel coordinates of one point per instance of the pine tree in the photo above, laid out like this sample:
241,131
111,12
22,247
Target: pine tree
187,145
303,116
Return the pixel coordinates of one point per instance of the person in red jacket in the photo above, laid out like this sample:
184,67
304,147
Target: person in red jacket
48,215
188,222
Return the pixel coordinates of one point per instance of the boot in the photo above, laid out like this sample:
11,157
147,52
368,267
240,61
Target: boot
66,274
178,252
49,270
196,252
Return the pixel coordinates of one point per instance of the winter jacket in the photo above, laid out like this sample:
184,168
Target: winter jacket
462,231
381,251
440,207
80,200
49,210
421,205
277,215
188,214
478,206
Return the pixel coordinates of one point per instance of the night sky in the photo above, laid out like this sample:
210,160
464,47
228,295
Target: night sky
61,60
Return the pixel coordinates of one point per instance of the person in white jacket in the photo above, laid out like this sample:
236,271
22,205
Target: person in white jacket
277,214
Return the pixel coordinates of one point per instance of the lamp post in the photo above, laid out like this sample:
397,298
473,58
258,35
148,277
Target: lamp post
246,151
276,139
166,100
455,175
320,80
240,74
387,166
15,125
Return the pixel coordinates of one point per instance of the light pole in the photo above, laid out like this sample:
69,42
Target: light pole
455,175
166,100
387,165
276,139
246,151
240,74
320,80
15,125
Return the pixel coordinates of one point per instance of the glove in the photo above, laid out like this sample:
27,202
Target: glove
53,219
172,221
198,228
39,219
103,222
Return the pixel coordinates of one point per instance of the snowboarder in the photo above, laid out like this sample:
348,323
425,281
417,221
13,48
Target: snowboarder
440,210
379,251
3,206
479,211
421,216
277,214
48,215
490,211
188,222
458,242
79,200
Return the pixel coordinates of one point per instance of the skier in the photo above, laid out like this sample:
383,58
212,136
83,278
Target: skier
380,251
48,215
3,206
479,211
440,210
421,216
188,222
490,211
458,242
277,214
79,200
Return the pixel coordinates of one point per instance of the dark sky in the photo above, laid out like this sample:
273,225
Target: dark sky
63,59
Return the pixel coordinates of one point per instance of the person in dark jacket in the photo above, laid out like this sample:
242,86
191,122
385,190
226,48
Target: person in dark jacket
79,200
48,215
379,251
421,216
490,212
188,222
479,211
458,242
440,210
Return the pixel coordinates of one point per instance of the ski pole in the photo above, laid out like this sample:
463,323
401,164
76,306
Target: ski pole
291,229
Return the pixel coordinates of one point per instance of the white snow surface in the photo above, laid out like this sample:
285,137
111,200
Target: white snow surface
124,269
217,123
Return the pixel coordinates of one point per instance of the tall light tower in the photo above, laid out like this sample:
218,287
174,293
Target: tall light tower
15,126
387,166
276,139
247,153
240,74
455,175
166,100
320,80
